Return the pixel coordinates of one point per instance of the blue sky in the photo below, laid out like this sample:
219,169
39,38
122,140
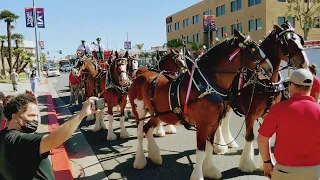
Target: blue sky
69,21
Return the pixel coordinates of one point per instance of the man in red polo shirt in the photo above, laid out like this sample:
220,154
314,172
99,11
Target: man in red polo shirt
296,123
74,84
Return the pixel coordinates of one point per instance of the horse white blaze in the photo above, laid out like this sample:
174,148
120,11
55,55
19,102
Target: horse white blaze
197,173
153,148
218,139
226,131
140,160
297,39
111,136
247,163
123,132
135,65
209,170
123,75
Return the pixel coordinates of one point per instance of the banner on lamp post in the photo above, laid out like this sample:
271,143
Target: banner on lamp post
127,45
29,15
41,44
209,20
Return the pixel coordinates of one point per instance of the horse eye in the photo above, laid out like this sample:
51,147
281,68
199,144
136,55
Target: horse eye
253,49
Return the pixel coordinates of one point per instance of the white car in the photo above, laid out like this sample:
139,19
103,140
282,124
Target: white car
53,71
66,68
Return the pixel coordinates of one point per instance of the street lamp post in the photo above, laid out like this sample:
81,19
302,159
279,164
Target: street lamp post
35,25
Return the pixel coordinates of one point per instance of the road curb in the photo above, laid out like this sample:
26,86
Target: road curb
84,163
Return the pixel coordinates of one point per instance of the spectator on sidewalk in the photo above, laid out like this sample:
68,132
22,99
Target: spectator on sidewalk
14,77
296,123
74,84
34,79
315,91
23,154
27,71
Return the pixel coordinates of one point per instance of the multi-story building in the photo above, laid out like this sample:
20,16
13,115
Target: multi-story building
253,17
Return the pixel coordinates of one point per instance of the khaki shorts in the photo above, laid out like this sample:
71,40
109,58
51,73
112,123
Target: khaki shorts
281,172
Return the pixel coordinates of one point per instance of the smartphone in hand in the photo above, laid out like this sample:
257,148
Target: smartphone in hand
100,104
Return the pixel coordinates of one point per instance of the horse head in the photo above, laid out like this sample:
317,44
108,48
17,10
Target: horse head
171,62
119,70
133,66
289,45
87,64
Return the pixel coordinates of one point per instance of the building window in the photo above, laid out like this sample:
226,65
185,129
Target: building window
169,29
221,10
282,0
239,27
251,25
223,30
186,22
218,32
210,12
233,26
207,12
177,25
236,5
258,24
196,37
253,2
282,19
196,19
188,39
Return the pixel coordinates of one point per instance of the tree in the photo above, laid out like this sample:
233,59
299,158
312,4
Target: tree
43,58
2,40
144,55
26,59
174,44
18,38
306,13
139,46
9,17
195,46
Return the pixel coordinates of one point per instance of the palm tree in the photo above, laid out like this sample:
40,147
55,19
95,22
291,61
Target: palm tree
9,17
139,46
18,38
27,59
174,44
144,55
195,46
2,40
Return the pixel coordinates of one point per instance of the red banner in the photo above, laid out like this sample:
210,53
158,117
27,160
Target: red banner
209,21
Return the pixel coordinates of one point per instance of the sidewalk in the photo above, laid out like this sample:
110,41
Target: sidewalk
73,160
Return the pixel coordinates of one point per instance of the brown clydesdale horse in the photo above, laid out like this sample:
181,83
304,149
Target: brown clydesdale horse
112,85
258,94
170,64
155,93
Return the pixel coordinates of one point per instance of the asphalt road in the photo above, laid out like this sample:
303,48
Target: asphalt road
178,151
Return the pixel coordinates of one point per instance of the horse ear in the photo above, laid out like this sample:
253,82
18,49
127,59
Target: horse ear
237,33
171,51
158,56
126,55
117,55
277,28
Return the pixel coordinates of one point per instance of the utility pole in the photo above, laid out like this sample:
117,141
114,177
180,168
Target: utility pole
35,25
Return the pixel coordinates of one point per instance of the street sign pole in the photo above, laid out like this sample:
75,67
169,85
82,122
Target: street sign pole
35,24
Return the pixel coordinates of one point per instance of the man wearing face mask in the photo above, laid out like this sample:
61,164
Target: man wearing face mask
23,154
296,123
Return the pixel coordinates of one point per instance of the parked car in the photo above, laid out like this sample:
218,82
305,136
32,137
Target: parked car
53,71
66,68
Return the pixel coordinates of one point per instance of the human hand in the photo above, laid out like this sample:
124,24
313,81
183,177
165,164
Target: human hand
87,107
268,168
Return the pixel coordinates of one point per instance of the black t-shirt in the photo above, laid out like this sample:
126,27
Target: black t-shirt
20,157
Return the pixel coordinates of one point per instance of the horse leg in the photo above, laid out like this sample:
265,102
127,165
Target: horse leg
208,169
111,136
123,132
197,173
97,126
139,112
226,131
127,109
153,148
160,131
247,163
220,146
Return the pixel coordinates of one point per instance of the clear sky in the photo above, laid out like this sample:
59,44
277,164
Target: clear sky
69,21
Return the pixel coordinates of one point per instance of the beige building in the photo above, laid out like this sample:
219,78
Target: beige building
253,17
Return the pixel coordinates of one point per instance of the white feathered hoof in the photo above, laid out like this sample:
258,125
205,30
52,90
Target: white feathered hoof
140,161
97,126
171,129
124,134
220,149
211,172
90,117
160,131
219,141
196,176
100,115
247,163
111,136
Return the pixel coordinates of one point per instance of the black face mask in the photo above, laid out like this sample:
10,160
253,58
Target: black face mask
30,127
